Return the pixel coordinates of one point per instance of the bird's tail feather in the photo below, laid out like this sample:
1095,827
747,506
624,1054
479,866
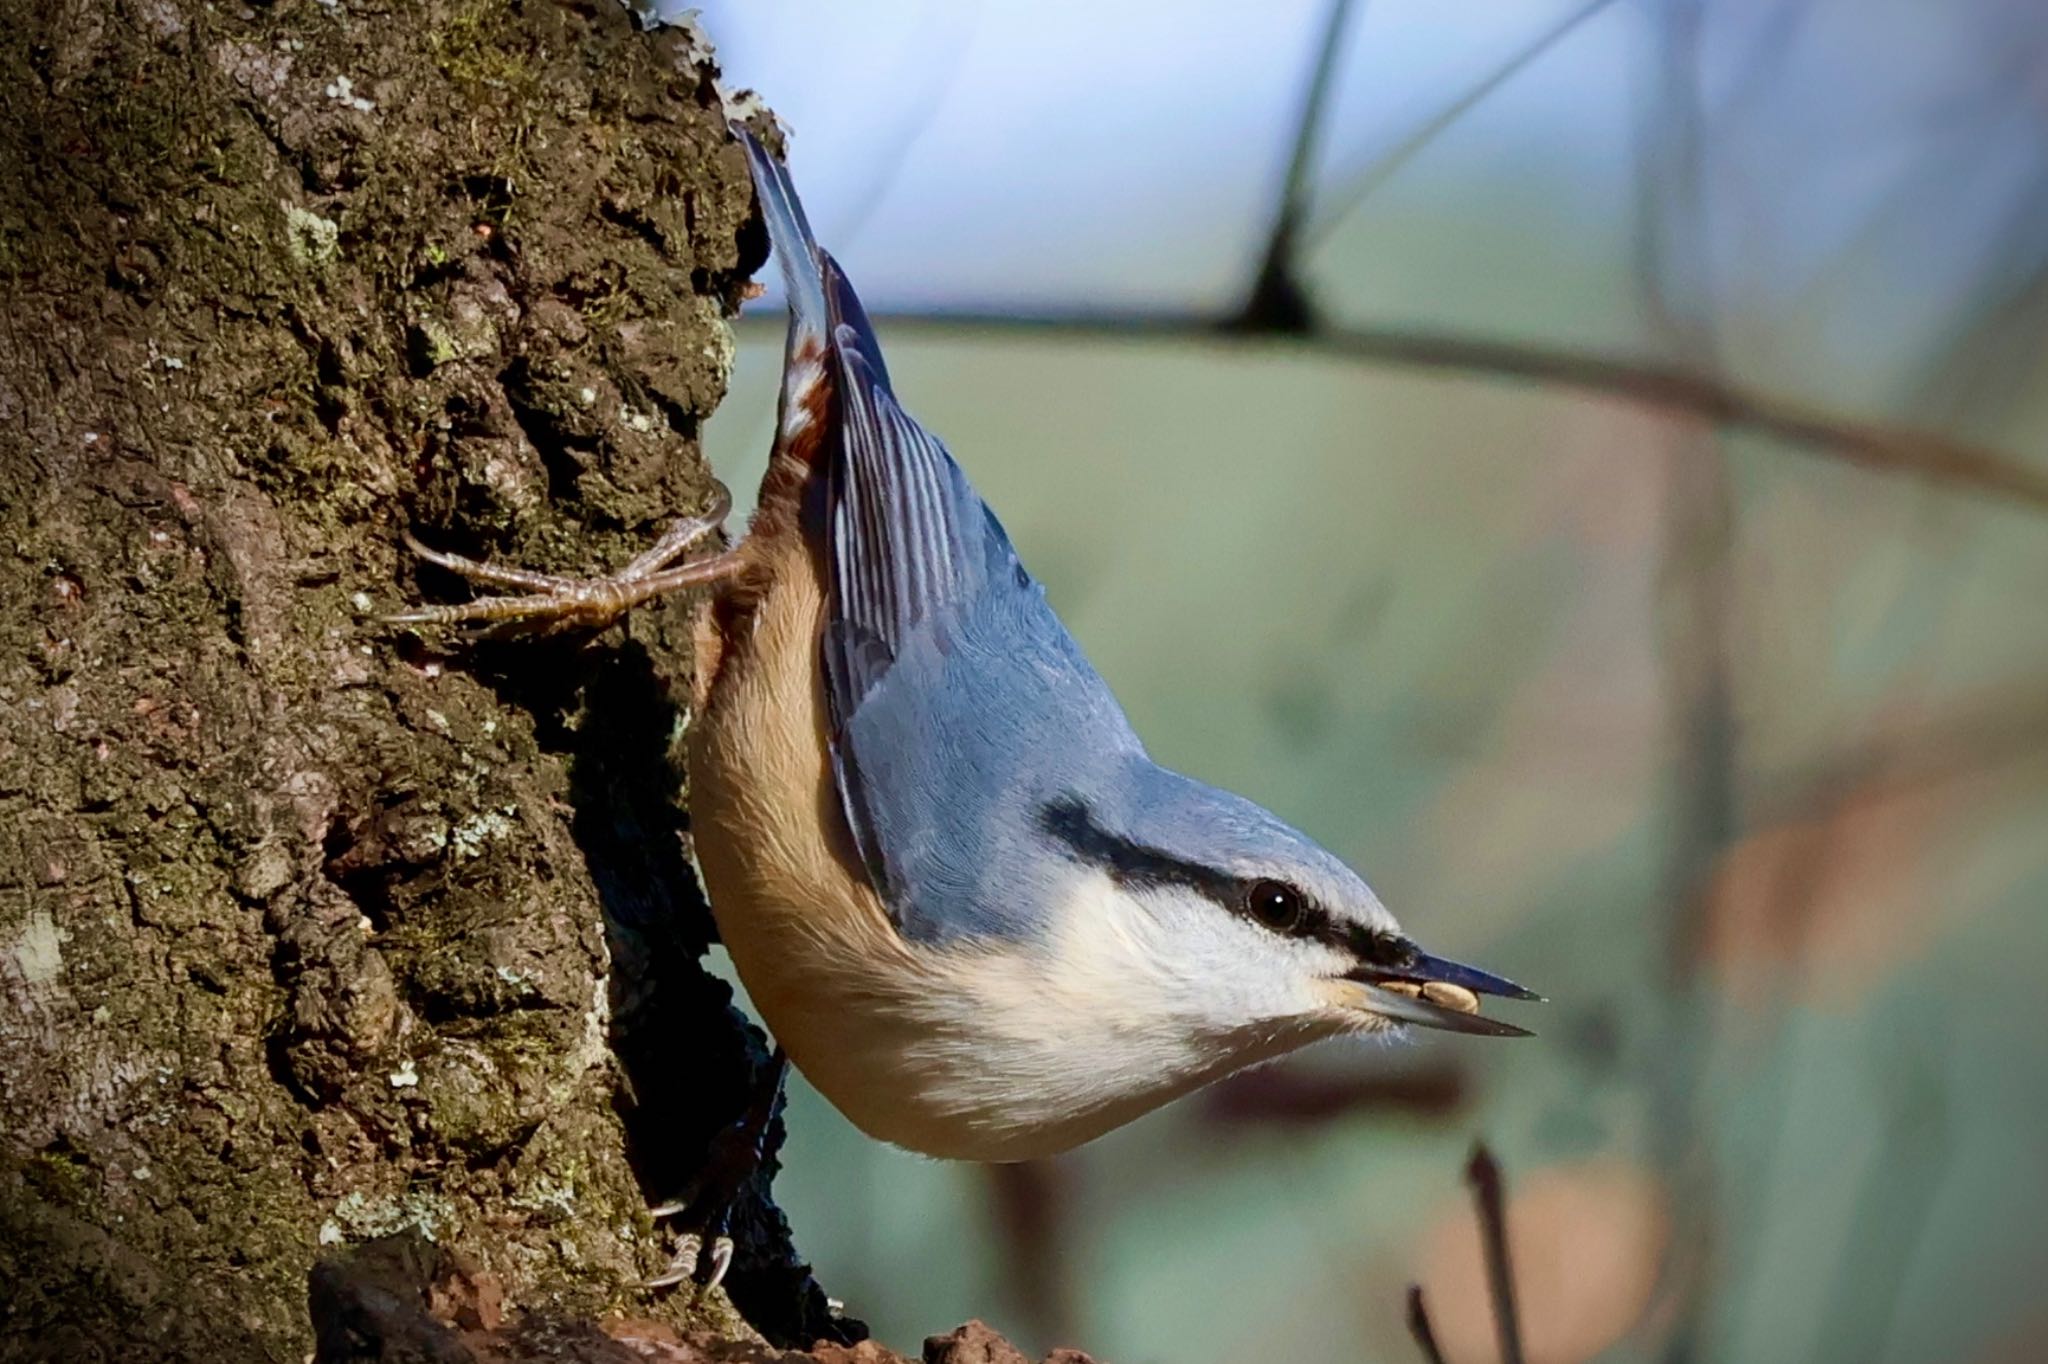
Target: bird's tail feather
796,251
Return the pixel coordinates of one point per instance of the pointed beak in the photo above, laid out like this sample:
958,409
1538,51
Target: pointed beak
1430,992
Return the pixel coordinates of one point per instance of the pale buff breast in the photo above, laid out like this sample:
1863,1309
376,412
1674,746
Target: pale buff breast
810,938
999,1053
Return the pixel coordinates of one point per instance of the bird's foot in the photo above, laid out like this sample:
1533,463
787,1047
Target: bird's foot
552,602
706,1212
689,1255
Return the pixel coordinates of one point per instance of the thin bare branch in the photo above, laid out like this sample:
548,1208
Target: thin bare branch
1419,1327
1382,170
1482,1172
1996,731
1931,457
1277,299
1703,784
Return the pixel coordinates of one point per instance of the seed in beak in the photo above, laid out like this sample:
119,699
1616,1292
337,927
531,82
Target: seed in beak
1410,988
1450,997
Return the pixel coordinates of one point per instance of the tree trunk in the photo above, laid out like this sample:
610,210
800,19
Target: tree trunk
311,932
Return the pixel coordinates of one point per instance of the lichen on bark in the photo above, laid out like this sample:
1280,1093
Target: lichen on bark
310,933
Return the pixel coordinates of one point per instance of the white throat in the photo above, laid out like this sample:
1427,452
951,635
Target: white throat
1019,1050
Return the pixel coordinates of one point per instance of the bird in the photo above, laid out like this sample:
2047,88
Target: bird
970,907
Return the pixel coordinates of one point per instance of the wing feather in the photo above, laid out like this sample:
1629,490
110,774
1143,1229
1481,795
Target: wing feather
957,701
905,527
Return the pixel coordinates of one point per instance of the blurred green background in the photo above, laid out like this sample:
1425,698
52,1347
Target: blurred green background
1734,745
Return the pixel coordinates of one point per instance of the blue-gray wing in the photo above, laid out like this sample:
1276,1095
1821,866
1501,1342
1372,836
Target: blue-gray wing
959,703
904,529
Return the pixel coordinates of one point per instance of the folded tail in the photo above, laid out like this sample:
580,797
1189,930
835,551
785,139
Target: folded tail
796,251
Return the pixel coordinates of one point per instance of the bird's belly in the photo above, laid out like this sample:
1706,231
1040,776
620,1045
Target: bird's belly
812,942
955,1051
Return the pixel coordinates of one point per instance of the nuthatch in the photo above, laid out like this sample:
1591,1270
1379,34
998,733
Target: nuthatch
981,920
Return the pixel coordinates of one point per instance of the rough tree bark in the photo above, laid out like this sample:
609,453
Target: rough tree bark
309,933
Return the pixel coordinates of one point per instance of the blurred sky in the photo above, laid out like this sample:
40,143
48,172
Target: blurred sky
1735,750
1887,157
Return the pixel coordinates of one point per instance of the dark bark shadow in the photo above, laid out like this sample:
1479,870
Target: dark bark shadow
690,1059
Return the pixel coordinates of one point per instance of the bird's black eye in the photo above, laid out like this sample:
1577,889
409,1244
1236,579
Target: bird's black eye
1276,904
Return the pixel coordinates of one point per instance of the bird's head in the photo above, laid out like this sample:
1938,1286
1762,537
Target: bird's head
1233,925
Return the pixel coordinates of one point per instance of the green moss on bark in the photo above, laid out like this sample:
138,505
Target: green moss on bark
304,929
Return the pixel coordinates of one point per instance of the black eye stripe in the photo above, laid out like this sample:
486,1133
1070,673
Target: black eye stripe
1070,822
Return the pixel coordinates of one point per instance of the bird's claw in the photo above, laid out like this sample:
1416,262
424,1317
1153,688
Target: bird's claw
734,1157
690,1255
551,601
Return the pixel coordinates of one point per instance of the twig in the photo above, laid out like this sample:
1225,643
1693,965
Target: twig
1033,1203
1925,455
1418,1327
1277,301
1483,1173
1920,454
1382,170
1294,195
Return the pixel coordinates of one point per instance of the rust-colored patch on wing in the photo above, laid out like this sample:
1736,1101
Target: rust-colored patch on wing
801,440
777,521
